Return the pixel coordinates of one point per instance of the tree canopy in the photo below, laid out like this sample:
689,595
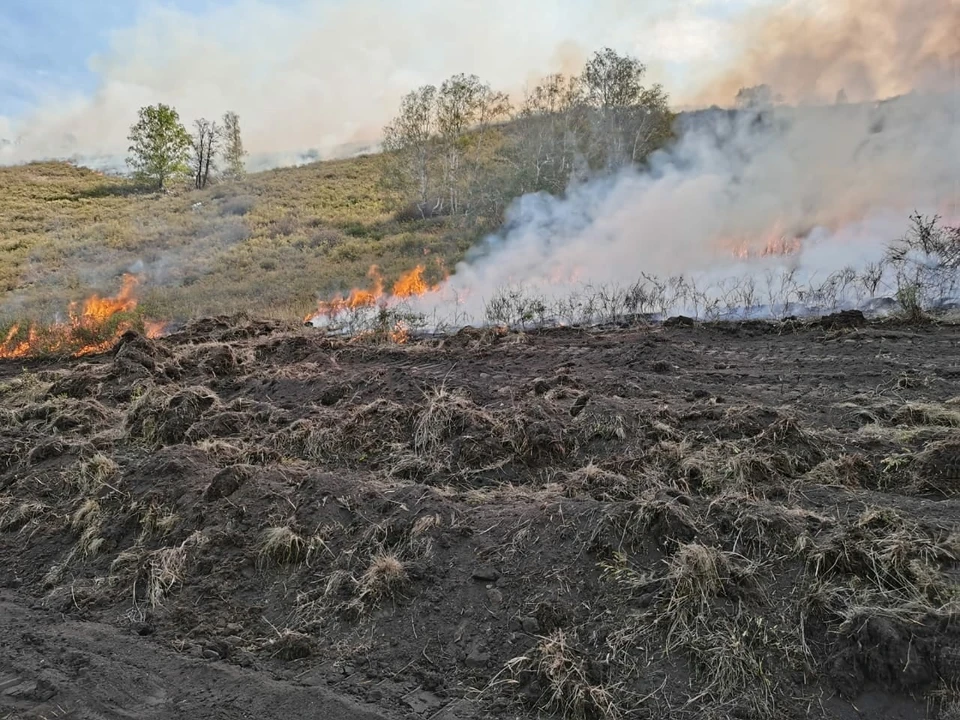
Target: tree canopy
159,145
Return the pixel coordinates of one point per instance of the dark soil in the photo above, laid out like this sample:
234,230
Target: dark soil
251,520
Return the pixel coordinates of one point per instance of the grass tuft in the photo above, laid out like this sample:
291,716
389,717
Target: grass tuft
282,545
570,689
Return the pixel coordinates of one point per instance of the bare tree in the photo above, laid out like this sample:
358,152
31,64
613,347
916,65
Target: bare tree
548,130
233,152
408,139
466,108
758,97
628,118
205,147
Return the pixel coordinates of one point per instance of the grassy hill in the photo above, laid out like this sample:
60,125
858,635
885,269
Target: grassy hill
269,244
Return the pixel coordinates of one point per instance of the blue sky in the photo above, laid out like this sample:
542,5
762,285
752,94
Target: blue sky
46,45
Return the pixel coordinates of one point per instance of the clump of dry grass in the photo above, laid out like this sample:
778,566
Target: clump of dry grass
375,569
538,435
290,645
25,388
697,605
848,471
927,414
165,571
666,517
937,468
94,473
601,484
223,452
569,688
900,561
943,703
384,577
302,439
155,520
282,545
216,358
367,433
762,528
751,468
14,515
166,567
159,416
696,575
447,414
730,655
65,414
88,521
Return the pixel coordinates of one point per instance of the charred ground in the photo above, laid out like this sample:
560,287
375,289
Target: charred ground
746,520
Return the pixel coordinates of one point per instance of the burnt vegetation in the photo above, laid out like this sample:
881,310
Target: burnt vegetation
665,508
645,522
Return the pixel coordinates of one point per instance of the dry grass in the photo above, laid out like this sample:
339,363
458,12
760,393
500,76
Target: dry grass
14,515
445,414
88,520
158,416
155,520
601,484
282,545
448,415
165,571
569,689
696,576
927,414
274,241
382,579
27,387
901,562
697,610
166,568
944,702
95,473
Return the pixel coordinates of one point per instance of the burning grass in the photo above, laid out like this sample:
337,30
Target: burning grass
91,328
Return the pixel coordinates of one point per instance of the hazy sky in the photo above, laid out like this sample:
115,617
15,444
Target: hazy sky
312,73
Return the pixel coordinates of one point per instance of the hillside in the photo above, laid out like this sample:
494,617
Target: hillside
268,245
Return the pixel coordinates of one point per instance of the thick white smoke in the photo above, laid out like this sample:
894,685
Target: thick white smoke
842,180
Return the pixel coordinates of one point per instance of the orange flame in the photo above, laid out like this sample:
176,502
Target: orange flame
10,348
776,242
89,329
411,284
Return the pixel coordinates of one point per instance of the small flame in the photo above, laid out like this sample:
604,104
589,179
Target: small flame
90,328
10,348
97,310
777,243
410,284
154,329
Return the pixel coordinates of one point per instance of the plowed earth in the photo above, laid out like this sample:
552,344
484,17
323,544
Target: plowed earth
251,520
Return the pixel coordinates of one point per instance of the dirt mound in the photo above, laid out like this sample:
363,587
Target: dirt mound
693,521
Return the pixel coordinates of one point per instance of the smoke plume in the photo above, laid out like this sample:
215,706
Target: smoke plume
835,183
808,51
